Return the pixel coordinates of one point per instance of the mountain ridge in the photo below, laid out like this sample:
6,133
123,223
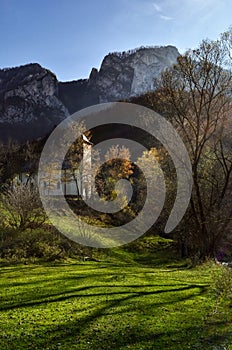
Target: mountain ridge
33,101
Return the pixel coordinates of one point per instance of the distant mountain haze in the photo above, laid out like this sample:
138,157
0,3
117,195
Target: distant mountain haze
33,101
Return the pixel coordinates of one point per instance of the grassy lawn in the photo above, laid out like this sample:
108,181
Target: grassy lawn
108,305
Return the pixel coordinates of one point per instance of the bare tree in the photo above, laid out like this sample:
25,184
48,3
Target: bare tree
21,207
196,93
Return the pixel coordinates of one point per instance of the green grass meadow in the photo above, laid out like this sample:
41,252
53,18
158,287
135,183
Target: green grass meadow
111,305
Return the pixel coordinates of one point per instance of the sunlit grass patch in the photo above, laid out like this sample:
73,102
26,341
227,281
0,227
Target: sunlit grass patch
105,306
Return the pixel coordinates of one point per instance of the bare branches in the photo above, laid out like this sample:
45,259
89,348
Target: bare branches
197,91
21,207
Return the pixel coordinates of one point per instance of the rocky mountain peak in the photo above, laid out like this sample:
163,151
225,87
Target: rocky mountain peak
133,72
29,102
11,78
32,101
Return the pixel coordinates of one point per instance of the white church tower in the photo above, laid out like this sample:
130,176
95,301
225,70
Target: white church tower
86,180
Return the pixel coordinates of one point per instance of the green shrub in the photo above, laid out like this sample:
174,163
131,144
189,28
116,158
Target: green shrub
36,244
222,282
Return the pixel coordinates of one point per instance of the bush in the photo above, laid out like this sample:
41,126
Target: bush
222,282
36,244
21,207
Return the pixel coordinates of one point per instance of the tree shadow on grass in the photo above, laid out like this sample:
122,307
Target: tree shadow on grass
117,299
75,293
84,332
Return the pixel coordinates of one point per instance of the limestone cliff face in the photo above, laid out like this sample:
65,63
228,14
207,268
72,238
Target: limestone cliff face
32,101
29,103
121,76
131,73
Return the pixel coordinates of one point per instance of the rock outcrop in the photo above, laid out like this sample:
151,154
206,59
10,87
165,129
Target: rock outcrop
29,103
121,76
33,102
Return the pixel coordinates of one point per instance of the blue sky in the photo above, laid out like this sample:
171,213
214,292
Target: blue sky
72,36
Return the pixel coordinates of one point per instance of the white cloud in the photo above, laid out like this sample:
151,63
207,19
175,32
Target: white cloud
166,18
157,7
160,11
